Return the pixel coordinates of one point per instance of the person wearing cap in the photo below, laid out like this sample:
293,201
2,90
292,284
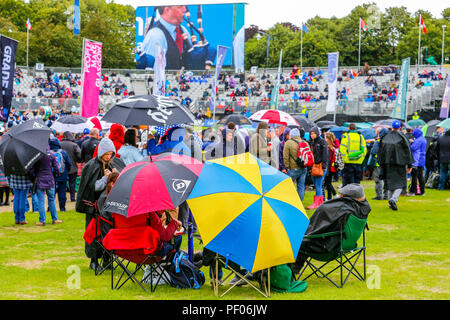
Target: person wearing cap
290,154
329,217
395,156
88,147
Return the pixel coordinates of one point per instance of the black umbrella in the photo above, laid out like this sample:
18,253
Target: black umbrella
304,122
72,123
23,145
238,119
324,124
149,110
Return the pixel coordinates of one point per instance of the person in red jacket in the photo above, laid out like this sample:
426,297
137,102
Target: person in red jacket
116,134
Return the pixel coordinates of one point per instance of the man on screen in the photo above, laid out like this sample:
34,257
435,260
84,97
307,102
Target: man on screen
168,33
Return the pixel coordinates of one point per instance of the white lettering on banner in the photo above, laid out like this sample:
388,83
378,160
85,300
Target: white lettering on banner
93,60
6,66
161,114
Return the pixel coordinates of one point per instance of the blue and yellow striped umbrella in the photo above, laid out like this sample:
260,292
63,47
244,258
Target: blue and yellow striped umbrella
248,212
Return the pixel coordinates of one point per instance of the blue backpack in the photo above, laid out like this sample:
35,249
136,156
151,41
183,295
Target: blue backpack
183,273
60,159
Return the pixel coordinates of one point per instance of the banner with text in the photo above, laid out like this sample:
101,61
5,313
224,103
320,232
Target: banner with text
91,74
333,62
399,111
221,54
8,49
159,84
445,105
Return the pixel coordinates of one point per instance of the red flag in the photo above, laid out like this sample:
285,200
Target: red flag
363,25
28,24
422,24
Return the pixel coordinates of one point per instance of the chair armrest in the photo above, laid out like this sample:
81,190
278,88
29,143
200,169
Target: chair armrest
322,235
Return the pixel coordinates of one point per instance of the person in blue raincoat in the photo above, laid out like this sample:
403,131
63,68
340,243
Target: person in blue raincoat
419,151
171,141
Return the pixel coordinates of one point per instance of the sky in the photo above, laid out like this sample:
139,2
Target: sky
265,13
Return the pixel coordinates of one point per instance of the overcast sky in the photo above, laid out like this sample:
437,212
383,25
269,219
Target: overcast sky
265,13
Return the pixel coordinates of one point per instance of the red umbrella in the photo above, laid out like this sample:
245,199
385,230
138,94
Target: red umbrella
159,184
274,116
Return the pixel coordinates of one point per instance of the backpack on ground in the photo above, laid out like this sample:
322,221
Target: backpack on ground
60,160
305,157
338,160
183,273
433,181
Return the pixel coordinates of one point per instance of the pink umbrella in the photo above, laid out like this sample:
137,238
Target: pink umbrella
274,116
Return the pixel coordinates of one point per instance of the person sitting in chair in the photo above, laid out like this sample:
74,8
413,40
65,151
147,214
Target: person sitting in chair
332,216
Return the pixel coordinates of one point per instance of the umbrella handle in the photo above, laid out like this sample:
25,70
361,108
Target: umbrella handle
190,237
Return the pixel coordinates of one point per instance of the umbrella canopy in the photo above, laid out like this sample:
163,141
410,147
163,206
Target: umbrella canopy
416,123
325,124
248,212
72,123
274,116
148,186
238,119
368,133
445,124
304,122
149,110
23,145
430,128
338,131
99,123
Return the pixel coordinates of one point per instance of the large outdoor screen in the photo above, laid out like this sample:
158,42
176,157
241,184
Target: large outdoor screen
189,35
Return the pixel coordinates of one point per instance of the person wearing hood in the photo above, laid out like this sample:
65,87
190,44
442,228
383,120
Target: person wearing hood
394,157
290,154
117,135
69,145
443,152
380,187
330,217
319,148
93,181
259,146
419,151
43,174
129,152
61,180
172,141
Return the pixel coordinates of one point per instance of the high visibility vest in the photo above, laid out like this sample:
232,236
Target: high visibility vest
416,117
352,142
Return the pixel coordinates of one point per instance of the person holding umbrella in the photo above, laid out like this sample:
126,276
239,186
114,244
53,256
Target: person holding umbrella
93,181
20,184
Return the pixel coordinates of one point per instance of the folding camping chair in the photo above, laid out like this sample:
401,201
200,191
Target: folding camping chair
95,232
347,255
216,260
133,240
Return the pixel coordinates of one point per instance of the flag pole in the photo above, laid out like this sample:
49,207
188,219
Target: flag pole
301,48
28,30
359,47
418,53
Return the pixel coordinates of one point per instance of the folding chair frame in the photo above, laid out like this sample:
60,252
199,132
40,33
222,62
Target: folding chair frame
343,258
264,283
132,275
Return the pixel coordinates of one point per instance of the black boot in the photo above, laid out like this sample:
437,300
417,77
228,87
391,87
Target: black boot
1,196
6,190
94,264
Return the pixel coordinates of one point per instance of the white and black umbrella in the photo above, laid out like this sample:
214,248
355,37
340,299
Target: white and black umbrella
72,123
23,145
149,110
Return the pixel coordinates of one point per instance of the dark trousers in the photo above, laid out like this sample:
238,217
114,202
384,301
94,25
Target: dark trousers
72,182
352,173
417,174
61,189
329,185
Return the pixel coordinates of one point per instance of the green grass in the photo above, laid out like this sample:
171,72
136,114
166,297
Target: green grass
410,248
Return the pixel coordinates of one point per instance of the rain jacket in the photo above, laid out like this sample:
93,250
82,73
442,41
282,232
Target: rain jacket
130,154
55,146
258,146
116,134
419,148
319,148
44,169
72,149
283,140
353,147
174,143
443,147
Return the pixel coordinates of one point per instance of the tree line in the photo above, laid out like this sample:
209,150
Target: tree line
394,35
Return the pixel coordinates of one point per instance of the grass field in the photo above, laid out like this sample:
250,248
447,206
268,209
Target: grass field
409,248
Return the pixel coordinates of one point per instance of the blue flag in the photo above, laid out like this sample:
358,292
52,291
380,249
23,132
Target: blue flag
399,111
76,18
221,53
305,28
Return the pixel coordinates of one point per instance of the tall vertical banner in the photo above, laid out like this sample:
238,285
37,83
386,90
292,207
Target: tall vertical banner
221,54
333,61
276,89
238,50
76,18
445,104
399,111
91,77
8,51
159,84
